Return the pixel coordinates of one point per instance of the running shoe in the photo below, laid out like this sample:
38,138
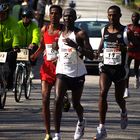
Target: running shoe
31,74
57,137
124,120
126,93
137,84
101,133
79,132
48,137
14,90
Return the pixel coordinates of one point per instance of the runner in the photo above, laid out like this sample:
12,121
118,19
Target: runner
50,34
70,70
133,50
112,69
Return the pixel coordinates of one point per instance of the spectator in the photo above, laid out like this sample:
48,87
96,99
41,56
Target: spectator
72,4
16,9
41,4
126,2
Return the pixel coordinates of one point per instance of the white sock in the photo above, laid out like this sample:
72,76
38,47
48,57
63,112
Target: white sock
101,125
126,89
57,134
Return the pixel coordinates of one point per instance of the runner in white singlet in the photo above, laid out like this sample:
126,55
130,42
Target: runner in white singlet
73,44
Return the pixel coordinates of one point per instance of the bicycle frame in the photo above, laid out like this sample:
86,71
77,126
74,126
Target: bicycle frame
22,79
21,66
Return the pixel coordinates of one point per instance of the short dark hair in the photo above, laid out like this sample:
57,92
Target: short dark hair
72,11
58,7
117,8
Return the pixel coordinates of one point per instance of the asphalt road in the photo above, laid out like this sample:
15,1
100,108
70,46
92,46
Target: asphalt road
23,121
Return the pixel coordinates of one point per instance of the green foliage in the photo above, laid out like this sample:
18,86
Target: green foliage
134,5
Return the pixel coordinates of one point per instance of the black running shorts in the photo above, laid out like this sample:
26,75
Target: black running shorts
115,73
72,83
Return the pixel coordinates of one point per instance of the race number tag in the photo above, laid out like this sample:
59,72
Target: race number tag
68,56
3,56
112,56
23,55
51,54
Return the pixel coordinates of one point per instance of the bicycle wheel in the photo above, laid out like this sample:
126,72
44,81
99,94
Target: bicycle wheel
18,84
27,86
3,93
4,72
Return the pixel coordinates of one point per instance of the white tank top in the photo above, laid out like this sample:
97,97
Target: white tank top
69,62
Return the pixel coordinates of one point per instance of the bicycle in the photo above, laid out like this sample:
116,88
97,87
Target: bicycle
4,72
22,75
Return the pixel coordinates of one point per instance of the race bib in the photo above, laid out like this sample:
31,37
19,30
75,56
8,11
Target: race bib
23,55
68,56
3,56
112,56
51,54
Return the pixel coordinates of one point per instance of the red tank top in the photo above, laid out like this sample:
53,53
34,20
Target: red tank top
50,39
47,70
136,30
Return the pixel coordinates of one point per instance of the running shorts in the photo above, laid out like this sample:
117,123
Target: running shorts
72,83
115,73
47,72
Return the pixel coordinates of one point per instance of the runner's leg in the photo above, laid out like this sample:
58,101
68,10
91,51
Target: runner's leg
119,92
60,91
105,84
46,90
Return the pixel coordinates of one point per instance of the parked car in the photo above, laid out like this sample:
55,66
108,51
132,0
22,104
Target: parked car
93,28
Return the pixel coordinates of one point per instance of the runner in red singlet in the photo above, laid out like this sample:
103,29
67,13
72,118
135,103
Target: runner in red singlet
133,31
50,34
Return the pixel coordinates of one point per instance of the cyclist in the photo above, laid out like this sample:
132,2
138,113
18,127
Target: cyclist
49,37
9,37
29,30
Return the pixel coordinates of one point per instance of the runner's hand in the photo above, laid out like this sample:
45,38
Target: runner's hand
70,43
33,57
